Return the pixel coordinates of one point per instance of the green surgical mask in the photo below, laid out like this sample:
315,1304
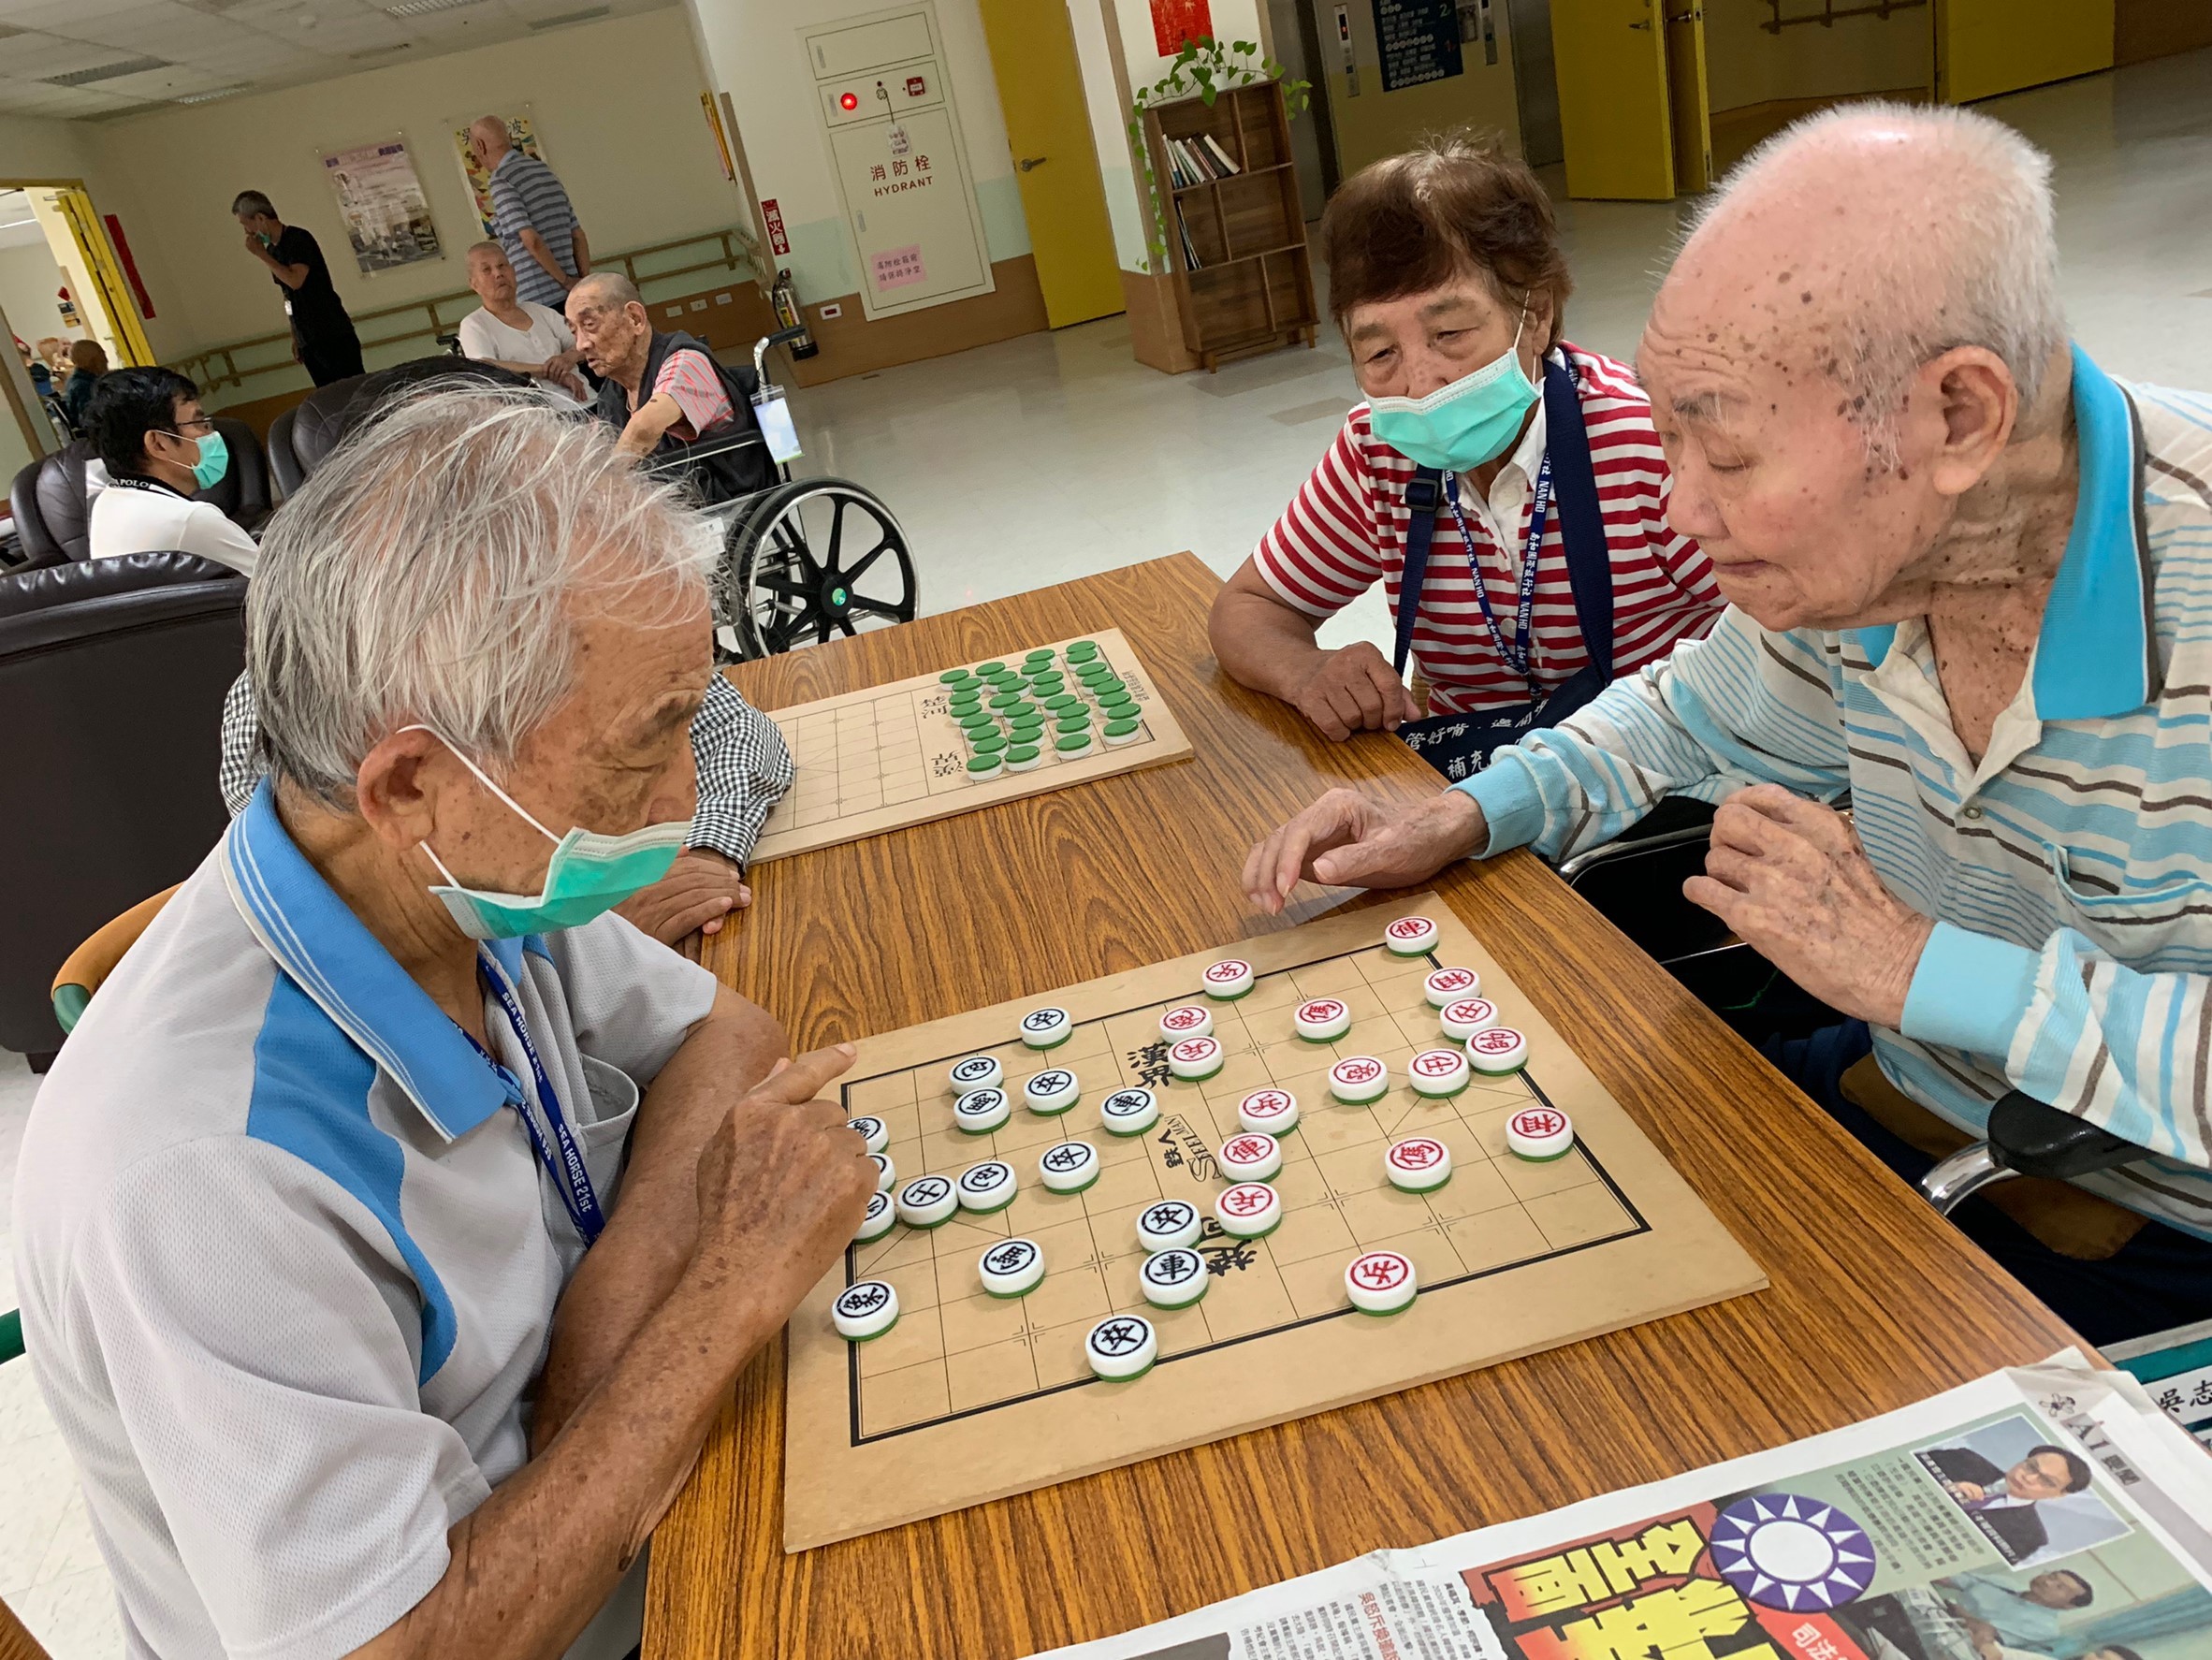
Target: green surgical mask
589,876
215,461
1462,424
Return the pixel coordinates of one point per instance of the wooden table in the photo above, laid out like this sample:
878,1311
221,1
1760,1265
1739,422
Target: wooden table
1875,1302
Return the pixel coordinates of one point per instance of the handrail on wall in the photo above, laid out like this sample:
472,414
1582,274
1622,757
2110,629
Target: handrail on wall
1828,16
441,313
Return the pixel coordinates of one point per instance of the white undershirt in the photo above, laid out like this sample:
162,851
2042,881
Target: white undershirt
487,339
126,520
1509,491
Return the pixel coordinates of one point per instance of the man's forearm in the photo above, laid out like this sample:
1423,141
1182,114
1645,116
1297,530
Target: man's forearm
1263,643
637,1263
648,425
536,1560
583,252
535,245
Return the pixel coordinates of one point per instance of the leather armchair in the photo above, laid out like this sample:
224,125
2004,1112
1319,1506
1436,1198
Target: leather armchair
113,673
300,437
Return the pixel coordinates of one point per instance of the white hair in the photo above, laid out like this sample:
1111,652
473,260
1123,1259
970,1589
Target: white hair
433,569
1954,243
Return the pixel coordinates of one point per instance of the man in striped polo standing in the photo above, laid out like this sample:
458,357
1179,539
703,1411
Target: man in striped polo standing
530,215
1970,578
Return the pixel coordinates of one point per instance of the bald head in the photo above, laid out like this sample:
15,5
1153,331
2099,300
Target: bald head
1865,241
1859,341
488,142
602,290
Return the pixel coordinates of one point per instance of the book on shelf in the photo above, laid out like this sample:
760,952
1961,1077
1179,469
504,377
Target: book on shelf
1198,161
1190,258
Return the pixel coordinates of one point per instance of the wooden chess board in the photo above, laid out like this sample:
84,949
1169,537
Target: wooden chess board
970,1397
891,756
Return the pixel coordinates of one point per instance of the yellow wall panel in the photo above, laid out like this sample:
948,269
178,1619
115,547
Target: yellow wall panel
1987,46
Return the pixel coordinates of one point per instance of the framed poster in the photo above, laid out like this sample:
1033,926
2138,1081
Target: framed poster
521,133
380,199
1419,40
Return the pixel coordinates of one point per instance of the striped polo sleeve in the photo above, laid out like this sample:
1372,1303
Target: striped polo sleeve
1740,707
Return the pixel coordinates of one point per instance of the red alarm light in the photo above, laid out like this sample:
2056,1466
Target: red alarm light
847,100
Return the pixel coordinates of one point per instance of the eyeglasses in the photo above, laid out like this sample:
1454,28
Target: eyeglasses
206,424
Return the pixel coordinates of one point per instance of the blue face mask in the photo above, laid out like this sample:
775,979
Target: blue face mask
1463,424
215,461
589,874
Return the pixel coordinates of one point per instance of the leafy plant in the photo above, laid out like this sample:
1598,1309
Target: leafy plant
1203,70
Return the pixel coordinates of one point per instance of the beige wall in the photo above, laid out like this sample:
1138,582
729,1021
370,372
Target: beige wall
1746,65
753,53
615,103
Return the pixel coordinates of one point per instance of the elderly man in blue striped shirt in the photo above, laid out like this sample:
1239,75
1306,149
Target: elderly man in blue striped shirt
1970,579
531,216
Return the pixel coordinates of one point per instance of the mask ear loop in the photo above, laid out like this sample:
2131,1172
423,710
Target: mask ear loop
527,817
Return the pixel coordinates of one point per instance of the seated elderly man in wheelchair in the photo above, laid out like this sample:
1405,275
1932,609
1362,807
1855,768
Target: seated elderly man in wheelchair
677,409
1957,556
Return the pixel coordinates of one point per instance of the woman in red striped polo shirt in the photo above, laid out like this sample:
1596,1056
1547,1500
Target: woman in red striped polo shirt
1447,279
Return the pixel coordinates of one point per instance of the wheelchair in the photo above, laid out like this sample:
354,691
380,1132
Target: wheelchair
803,561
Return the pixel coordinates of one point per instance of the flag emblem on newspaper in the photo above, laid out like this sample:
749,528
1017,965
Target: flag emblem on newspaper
1784,1552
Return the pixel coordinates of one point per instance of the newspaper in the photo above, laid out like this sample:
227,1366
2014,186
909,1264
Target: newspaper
2047,1513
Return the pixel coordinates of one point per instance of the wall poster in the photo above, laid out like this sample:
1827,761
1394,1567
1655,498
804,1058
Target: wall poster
1175,22
388,219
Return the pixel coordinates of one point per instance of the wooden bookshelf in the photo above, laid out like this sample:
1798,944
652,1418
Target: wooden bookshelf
1252,289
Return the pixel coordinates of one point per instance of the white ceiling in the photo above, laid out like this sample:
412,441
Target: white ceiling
17,228
226,47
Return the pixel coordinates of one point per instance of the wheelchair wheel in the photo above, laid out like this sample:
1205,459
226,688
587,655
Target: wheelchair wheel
808,560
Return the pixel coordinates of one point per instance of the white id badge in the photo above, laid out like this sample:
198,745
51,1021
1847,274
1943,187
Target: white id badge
774,415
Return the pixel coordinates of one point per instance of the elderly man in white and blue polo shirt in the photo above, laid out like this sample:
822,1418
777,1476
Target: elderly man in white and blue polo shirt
1970,584
382,1315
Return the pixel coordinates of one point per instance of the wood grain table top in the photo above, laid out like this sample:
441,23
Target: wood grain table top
1875,1302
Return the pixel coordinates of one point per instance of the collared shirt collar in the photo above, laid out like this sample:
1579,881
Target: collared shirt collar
353,979
2096,654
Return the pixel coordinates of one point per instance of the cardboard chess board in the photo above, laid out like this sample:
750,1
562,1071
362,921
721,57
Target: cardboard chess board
970,1397
892,756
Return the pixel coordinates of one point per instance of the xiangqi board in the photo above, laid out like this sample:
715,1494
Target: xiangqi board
966,737
971,1396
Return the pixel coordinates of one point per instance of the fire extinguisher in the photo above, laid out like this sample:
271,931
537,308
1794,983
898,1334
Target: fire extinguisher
784,297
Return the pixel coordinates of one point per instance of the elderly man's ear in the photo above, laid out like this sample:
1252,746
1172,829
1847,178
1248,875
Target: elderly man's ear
1967,403
396,788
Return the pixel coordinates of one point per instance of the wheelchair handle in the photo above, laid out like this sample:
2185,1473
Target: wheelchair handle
2026,1138
782,337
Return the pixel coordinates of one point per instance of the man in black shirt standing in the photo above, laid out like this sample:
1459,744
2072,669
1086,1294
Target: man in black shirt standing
323,335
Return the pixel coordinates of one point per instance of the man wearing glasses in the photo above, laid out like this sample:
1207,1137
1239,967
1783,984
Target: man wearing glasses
159,447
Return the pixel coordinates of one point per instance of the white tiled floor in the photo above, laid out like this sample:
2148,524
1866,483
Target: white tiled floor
1055,455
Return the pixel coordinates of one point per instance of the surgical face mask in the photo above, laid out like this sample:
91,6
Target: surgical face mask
1463,424
215,460
589,876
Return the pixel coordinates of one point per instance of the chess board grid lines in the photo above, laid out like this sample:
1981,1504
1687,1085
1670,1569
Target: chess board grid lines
1336,974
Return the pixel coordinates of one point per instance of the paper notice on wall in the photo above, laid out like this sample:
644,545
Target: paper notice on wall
1175,22
899,268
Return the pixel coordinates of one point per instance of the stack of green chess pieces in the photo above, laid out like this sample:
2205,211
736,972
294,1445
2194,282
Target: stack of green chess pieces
1011,714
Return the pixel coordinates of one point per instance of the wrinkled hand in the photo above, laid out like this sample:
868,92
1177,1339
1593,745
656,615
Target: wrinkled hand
1355,689
253,243
782,1182
702,890
1789,876
1344,840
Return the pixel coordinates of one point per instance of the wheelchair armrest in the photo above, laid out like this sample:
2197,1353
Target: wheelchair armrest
2032,1139
2026,1138
1571,868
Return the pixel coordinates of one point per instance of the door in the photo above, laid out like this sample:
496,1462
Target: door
1047,130
123,334
1687,96
1615,116
1987,46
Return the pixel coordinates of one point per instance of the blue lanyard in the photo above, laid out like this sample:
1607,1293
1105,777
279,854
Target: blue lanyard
568,1171
1517,653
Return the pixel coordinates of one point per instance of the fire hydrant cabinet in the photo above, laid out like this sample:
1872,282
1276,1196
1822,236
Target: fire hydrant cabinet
893,137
